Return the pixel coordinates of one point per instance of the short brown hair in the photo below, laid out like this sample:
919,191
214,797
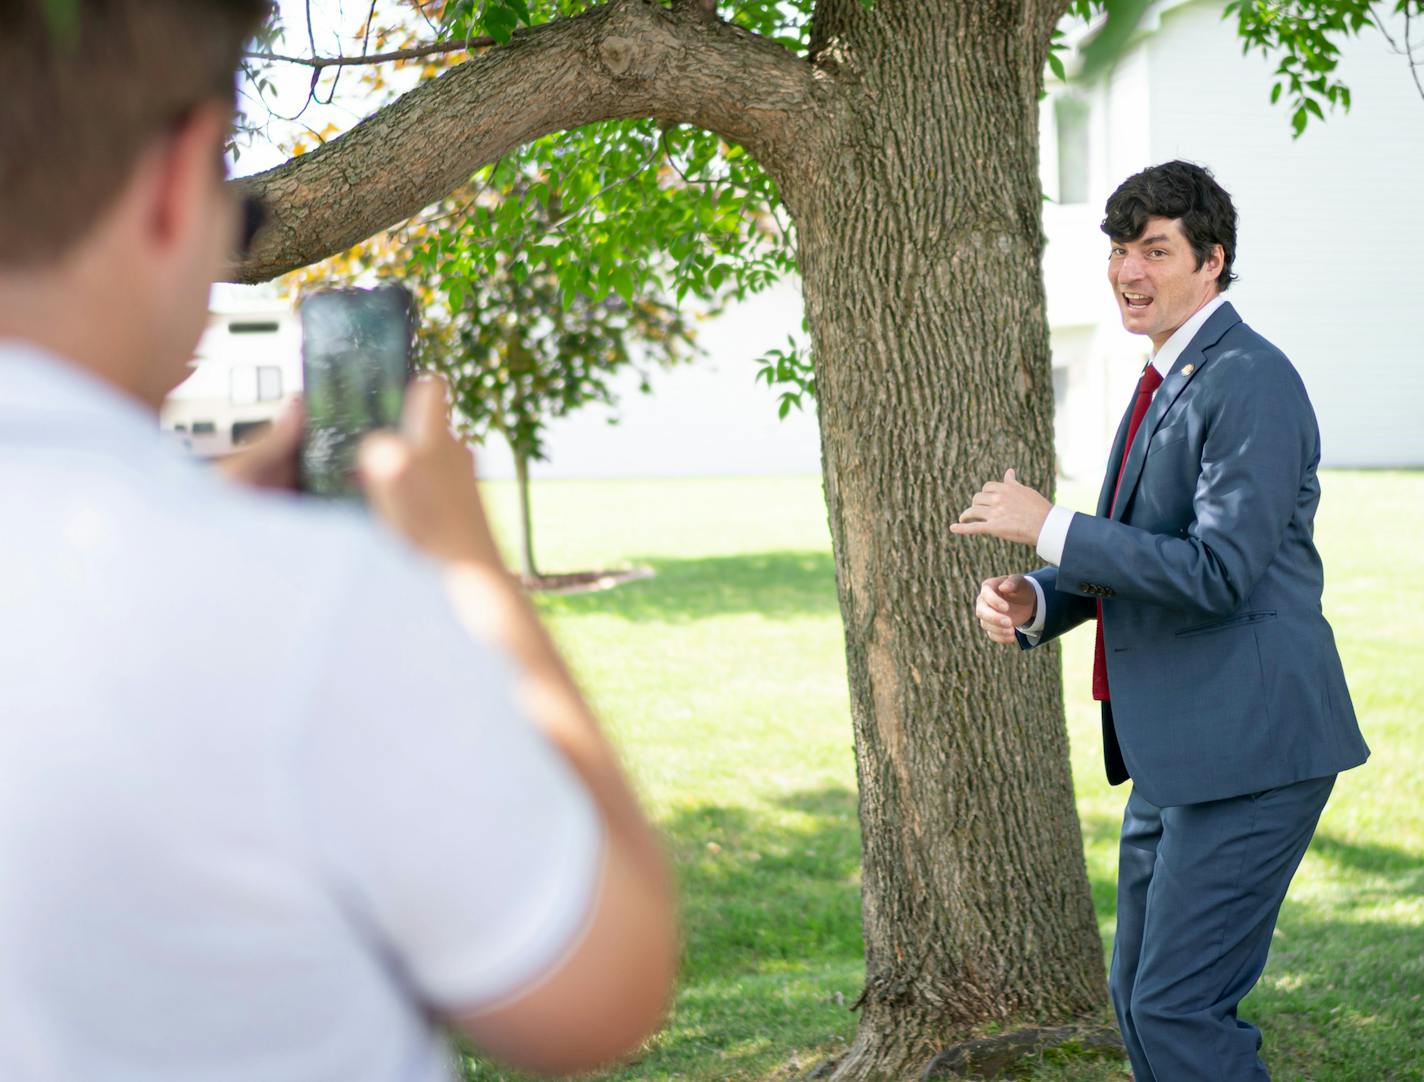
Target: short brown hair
86,85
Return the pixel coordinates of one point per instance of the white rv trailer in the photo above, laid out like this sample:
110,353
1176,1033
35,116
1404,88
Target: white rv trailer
247,366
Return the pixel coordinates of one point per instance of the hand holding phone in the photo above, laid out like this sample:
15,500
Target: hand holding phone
422,482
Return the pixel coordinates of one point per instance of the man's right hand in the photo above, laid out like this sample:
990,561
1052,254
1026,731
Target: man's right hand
612,989
1004,603
422,481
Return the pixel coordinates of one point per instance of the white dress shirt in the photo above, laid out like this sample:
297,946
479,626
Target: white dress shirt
265,806
1054,533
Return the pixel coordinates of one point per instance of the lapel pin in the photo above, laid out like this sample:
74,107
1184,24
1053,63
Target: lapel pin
1189,369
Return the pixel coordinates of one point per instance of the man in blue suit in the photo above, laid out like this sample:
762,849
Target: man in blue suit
1223,698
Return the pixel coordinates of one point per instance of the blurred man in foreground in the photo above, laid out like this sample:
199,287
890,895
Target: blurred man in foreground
283,792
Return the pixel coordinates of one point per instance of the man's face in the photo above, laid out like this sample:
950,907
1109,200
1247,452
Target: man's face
1156,280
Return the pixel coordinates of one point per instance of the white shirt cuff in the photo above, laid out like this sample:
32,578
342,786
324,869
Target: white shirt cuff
1054,534
1034,629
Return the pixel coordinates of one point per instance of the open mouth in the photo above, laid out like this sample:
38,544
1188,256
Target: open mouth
1136,301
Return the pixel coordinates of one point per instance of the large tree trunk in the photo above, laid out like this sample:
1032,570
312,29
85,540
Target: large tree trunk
920,252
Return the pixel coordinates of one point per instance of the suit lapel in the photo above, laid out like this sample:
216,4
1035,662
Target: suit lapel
1191,361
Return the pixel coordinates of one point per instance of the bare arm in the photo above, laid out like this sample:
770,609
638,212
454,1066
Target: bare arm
611,990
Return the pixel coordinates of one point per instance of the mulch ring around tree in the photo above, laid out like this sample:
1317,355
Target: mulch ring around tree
583,582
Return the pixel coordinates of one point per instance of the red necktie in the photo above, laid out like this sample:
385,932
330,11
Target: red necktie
1146,387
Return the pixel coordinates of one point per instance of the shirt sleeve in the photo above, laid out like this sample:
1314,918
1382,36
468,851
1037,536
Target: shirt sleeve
1053,536
1034,628
451,831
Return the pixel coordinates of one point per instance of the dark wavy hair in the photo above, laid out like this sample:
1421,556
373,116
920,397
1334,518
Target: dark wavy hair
1177,190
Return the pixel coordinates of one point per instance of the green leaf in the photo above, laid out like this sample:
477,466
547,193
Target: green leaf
500,22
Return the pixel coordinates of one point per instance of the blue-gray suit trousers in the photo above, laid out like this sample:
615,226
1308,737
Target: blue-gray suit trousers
1199,888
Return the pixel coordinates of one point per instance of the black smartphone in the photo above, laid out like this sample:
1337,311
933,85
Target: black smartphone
357,346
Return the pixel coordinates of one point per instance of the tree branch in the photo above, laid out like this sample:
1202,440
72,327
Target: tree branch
630,58
415,52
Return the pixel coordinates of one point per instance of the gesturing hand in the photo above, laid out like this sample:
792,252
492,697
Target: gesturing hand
1005,509
1004,603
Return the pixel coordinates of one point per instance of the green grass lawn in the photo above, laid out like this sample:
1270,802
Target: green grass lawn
722,680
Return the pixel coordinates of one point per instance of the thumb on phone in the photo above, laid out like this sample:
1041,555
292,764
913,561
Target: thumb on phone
425,415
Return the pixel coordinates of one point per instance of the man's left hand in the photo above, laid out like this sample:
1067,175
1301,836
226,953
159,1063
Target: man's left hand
271,461
1005,509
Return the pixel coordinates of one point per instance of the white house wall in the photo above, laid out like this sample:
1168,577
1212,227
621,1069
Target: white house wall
711,417
1331,235
1094,359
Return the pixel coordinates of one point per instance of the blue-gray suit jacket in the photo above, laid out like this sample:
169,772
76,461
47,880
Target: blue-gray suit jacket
1224,674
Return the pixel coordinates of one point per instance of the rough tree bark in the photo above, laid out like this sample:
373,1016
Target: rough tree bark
905,149
921,267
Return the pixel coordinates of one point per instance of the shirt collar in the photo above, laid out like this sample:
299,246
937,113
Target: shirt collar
1166,357
61,398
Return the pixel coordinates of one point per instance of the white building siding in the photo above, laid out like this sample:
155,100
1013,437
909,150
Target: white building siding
711,417
1332,243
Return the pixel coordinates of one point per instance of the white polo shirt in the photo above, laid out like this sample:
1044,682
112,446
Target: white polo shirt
263,803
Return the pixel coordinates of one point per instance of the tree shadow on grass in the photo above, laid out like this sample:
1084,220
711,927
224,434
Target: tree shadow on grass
772,953
779,885
772,950
1101,830
777,585
1401,870
1344,987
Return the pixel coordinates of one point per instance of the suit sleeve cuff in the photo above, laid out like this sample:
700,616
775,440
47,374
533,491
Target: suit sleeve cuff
1033,630
1054,536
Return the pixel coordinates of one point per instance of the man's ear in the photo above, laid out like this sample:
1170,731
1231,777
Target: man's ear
187,166
1215,260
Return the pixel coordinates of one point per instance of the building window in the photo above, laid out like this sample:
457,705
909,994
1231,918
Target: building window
1071,115
263,327
246,431
242,384
204,428
1060,386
